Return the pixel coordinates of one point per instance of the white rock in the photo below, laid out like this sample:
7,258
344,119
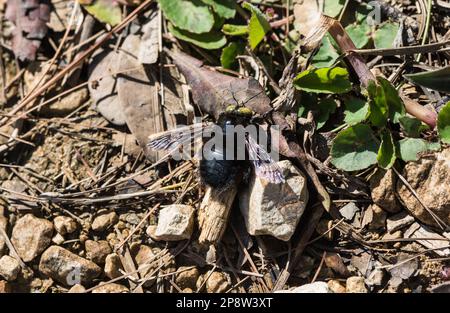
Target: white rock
30,236
316,287
9,268
349,210
175,222
58,239
275,209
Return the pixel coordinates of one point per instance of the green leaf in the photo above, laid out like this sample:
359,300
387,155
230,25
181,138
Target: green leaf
412,127
386,154
326,107
324,80
408,149
385,35
229,54
308,102
258,25
444,123
378,108
327,54
356,111
333,7
210,40
105,11
437,80
393,101
354,148
190,15
235,30
359,34
223,8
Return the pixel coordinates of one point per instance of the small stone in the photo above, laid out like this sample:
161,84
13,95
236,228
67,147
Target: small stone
65,225
217,283
4,287
356,284
399,221
97,250
188,290
430,179
113,266
316,287
144,254
58,239
9,268
104,221
336,286
187,277
374,217
349,210
150,231
422,233
275,209
77,289
175,222
405,267
67,267
131,218
111,288
30,236
382,186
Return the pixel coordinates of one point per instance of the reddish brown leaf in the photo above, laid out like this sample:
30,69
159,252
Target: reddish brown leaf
30,18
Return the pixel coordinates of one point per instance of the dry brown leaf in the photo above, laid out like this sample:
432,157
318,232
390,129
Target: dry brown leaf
213,91
138,96
103,86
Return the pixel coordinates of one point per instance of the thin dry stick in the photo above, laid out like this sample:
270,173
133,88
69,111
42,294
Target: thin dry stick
320,267
50,83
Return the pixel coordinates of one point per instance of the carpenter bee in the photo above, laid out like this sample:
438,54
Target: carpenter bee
227,156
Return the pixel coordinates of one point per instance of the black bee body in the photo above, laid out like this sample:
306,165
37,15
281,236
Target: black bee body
229,161
219,171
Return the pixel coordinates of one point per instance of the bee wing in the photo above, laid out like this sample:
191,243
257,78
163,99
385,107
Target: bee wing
172,139
265,166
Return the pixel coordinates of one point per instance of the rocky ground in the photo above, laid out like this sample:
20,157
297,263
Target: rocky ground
83,208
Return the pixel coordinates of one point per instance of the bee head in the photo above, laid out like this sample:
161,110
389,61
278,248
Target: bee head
241,111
